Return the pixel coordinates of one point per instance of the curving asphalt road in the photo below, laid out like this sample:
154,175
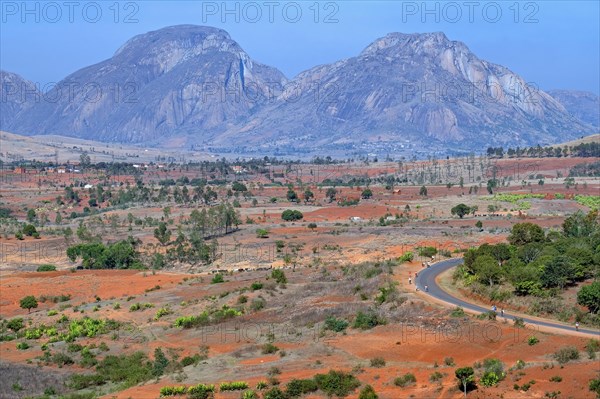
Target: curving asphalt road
427,277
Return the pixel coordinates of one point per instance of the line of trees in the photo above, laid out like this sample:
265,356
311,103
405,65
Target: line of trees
580,150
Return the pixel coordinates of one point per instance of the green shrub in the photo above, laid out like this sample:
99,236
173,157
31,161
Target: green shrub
532,340
269,348
566,354
366,321
173,391
436,376
406,257
405,380
279,276
22,346
46,268
378,362
217,279
296,388
15,324
337,383
457,312
256,286
233,386
250,394
556,378
334,324
489,379
594,386
368,393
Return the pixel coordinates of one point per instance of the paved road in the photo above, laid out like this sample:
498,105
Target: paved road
427,278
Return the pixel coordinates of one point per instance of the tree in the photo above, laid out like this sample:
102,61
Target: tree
466,376
162,233
331,194
366,194
292,196
308,196
84,160
557,272
525,233
29,302
312,226
239,187
31,216
487,269
589,296
291,215
461,210
423,191
29,230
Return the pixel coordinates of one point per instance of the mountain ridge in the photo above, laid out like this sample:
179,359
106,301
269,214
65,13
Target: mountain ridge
196,86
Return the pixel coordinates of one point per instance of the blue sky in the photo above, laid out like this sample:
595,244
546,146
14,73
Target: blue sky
554,44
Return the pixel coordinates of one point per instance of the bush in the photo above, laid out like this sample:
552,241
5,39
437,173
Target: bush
22,346
448,361
532,340
274,393
15,324
566,354
256,286
405,380
279,276
457,312
250,394
406,257
46,268
436,376
366,321
233,386
556,378
269,349
173,391
378,362
257,304
592,346
334,324
296,388
218,278
368,393
595,386
427,251
337,383
489,379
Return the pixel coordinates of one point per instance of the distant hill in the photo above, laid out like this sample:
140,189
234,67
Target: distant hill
194,87
581,104
16,96
594,138
15,147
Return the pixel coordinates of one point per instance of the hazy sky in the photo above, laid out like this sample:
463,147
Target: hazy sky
554,44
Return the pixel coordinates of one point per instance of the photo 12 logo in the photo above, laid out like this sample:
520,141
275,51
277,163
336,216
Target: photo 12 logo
253,12
453,12
52,12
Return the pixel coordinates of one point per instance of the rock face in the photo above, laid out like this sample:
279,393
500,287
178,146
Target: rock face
420,87
583,105
195,85
16,96
177,79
